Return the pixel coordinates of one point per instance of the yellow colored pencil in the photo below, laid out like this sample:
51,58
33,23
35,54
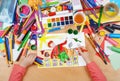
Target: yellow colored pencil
81,29
11,53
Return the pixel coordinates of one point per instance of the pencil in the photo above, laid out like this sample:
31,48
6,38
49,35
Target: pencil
89,28
92,11
11,53
20,28
82,27
25,48
91,42
25,31
37,21
100,16
7,48
6,31
13,41
6,54
87,9
19,55
24,40
101,52
96,49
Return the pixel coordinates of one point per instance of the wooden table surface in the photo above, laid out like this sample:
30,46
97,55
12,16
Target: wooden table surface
62,74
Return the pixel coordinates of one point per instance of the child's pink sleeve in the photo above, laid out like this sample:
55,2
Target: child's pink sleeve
17,73
95,72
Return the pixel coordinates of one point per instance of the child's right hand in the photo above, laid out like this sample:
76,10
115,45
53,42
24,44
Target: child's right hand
84,53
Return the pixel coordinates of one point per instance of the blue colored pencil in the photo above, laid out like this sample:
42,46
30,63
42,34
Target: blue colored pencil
7,49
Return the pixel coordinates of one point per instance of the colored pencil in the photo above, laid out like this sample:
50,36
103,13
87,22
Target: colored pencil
25,31
6,31
11,53
96,48
24,40
92,11
7,48
13,41
100,16
37,21
89,28
25,48
82,27
101,52
20,28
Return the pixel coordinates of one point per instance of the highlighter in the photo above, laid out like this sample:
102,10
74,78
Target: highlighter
115,49
113,35
115,26
113,42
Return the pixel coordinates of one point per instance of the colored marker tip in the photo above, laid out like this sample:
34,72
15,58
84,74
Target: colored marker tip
1,40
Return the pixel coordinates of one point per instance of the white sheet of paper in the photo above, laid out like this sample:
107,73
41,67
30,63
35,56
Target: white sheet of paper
81,61
61,38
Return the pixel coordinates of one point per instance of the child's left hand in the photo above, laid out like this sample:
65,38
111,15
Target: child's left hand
28,60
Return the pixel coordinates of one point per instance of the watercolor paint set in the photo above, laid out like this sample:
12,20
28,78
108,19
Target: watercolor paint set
58,21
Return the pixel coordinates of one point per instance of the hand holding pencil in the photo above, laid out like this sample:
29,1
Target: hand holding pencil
84,53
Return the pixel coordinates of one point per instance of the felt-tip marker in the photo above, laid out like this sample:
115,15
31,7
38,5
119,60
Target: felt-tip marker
113,35
115,49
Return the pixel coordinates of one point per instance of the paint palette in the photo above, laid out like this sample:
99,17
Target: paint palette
58,21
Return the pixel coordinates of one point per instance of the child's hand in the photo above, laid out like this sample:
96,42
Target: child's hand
28,60
84,53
